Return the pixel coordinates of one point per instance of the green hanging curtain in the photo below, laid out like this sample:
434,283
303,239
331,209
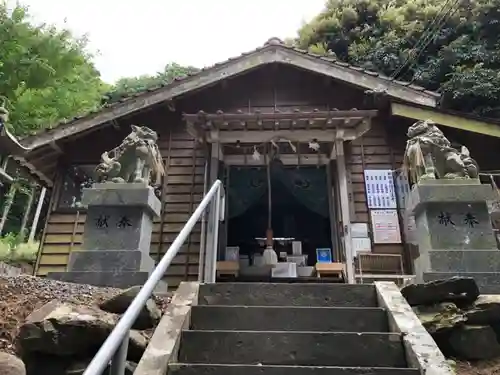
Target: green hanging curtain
246,187
307,185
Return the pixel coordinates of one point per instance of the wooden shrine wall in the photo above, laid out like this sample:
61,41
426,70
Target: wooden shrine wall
267,89
182,191
377,149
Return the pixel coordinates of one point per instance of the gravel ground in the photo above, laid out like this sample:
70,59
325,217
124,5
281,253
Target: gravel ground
21,295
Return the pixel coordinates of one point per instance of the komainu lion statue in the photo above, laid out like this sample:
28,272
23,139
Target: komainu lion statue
134,160
429,155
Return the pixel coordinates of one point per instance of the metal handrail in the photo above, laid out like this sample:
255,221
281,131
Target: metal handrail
115,347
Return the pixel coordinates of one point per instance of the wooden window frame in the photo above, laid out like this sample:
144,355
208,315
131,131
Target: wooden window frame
86,168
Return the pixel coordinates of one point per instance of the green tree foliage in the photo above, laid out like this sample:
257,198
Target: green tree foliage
46,75
462,60
129,86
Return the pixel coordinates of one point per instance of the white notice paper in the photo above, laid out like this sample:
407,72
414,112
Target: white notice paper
359,230
380,192
410,227
385,226
361,245
402,186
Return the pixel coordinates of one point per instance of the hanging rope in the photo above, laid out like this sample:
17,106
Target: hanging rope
269,193
313,144
269,256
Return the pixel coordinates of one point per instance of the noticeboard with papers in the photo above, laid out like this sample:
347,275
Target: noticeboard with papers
385,226
380,191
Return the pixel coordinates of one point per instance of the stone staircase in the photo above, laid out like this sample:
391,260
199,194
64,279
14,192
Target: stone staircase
292,329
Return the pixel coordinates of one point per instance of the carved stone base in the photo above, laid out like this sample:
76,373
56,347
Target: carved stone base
117,237
454,231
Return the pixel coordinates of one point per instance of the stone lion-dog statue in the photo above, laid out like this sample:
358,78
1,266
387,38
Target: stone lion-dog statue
135,160
429,155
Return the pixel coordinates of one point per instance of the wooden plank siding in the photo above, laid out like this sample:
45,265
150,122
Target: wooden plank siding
184,164
374,150
268,89
183,191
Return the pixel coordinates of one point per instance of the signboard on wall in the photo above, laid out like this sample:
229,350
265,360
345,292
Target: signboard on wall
361,245
380,192
359,230
402,188
410,227
385,226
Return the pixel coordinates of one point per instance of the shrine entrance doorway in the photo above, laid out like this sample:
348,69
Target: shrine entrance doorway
291,145
293,202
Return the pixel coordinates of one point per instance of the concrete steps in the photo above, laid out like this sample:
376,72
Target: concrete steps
204,369
297,329
268,294
282,318
293,348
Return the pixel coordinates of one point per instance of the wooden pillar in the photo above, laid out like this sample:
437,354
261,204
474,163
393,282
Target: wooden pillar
332,213
27,211
345,211
211,230
223,231
7,205
36,218
203,238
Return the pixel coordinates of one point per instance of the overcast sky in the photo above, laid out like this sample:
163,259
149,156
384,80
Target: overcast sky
141,37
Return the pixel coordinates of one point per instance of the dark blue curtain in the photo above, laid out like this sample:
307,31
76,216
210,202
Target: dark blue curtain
306,184
246,187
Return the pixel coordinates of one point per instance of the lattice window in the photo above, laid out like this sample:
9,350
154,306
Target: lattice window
76,178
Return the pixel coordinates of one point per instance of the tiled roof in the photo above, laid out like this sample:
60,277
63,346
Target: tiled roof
270,42
334,61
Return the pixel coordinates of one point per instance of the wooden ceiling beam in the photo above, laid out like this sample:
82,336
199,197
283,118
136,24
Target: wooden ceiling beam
357,130
457,121
298,135
256,136
202,117
46,158
56,147
286,159
34,171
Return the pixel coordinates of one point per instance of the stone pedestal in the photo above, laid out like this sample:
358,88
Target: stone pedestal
116,238
454,232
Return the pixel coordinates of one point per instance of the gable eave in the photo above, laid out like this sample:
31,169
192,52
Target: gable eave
356,76
460,121
269,54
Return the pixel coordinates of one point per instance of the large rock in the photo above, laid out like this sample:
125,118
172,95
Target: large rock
53,365
474,343
459,290
66,329
149,315
440,318
11,365
485,311
137,345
